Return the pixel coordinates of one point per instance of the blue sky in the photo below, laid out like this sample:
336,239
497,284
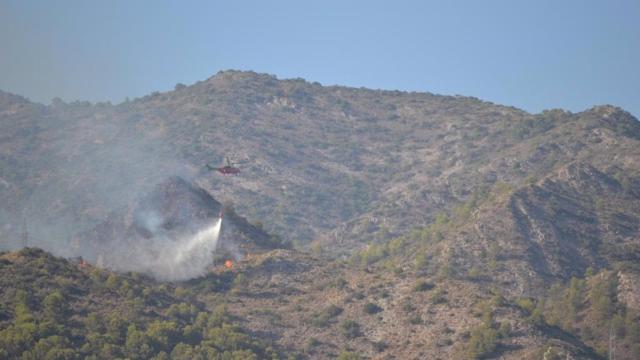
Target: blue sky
531,54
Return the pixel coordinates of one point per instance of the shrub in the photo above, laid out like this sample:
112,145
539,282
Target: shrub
423,286
438,297
333,310
239,284
371,308
312,342
475,274
408,307
551,353
482,342
372,254
350,329
415,320
526,304
340,283
348,355
505,329
322,318
379,346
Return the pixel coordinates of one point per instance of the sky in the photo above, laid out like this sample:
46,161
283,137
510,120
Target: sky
535,55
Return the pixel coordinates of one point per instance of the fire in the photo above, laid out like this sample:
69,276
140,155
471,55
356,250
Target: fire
228,264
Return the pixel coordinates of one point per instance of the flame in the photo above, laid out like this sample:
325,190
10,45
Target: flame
228,264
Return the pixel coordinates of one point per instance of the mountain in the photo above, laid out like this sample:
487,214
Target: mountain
354,154
424,225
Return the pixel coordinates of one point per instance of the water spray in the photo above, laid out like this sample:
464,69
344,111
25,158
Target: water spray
188,257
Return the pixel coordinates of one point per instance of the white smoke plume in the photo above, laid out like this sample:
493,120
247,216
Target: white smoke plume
81,174
176,259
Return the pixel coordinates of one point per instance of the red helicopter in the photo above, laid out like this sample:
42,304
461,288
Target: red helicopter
227,169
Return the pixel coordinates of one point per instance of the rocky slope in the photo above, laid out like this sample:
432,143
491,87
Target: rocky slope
573,219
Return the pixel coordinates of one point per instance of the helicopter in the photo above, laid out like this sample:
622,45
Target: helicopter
227,169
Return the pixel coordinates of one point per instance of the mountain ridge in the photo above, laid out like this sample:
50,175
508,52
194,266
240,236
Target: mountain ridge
233,74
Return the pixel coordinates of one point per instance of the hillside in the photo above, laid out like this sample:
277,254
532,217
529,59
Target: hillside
284,304
321,160
51,308
424,225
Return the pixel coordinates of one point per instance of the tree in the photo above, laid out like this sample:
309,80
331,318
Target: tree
183,351
16,339
137,344
112,282
227,338
632,327
115,329
574,298
55,307
217,317
52,347
602,295
93,323
162,334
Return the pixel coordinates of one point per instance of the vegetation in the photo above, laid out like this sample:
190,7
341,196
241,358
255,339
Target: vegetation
350,329
371,308
438,297
322,318
483,341
423,286
105,315
590,308
348,355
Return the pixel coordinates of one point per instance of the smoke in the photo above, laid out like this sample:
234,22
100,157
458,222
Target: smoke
175,259
84,166
76,183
